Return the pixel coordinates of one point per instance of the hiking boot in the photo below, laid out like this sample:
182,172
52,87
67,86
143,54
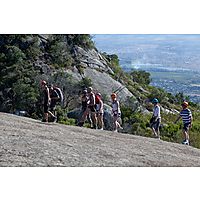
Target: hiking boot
54,119
120,129
186,142
81,124
157,138
154,135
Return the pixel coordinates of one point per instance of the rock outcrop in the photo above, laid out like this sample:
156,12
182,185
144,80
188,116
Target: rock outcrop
26,142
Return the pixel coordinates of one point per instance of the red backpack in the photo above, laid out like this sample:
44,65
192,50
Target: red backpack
97,98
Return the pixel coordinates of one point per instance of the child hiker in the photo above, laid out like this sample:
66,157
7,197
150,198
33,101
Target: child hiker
187,121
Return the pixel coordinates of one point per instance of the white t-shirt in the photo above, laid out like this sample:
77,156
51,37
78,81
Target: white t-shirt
156,112
98,107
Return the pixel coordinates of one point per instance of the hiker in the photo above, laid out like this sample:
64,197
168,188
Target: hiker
91,107
187,121
54,97
46,102
99,108
116,112
85,101
156,119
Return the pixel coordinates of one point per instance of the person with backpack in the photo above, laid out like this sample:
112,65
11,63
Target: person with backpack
116,112
85,101
99,108
46,102
156,119
187,121
54,97
91,107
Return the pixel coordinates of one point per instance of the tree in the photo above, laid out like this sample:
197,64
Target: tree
141,77
179,98
158,93
82,40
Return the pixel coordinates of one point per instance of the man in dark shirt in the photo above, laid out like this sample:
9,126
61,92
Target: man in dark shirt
46,102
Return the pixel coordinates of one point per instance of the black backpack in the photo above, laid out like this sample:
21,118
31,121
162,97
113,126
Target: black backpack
58,90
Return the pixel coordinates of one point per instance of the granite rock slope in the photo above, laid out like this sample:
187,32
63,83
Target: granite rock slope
30,143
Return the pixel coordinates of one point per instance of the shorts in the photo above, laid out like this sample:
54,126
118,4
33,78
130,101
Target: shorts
186,126
92,108
101,113
98,108
156,124
115,114
46,107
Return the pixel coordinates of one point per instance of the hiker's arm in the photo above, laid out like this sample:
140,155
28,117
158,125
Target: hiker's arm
48,96
93,99
100,107
117,104
55,95
87,100
177,119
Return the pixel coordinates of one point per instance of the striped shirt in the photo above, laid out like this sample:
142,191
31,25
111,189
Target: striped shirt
186,114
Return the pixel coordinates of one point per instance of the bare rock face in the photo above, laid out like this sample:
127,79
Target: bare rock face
96,68
27,142
92,59
103,82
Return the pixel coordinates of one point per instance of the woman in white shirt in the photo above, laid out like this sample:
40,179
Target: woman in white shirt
156,119
116,112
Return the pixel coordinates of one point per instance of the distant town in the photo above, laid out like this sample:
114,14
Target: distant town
173,60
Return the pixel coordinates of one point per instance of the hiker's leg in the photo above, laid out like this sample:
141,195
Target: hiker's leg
94,118
50,113
158,133
85,114
101,120
186,135
157,128
115,121
152,128
46,116
89,119
80,116
46,111
154,131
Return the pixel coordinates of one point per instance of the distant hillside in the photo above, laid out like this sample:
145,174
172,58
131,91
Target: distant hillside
30,143
172,50
169,59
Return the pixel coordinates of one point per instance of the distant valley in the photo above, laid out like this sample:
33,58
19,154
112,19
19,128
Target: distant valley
172,60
